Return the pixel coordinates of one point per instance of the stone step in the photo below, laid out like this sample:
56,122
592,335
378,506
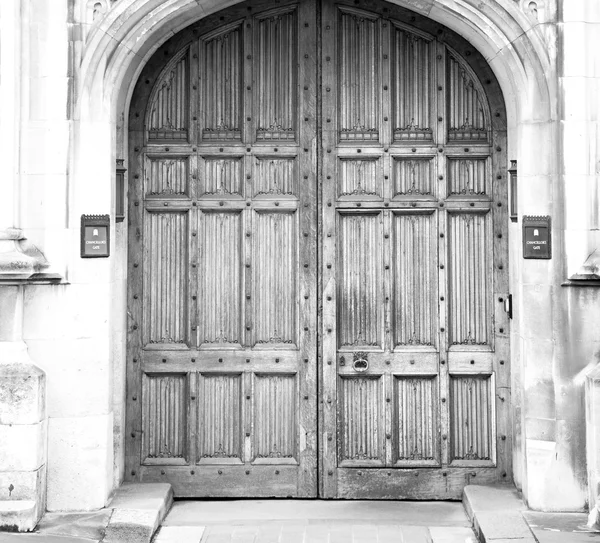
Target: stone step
138,511
496,513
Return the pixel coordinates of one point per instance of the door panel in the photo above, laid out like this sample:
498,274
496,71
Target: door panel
317,258
412,333
225,349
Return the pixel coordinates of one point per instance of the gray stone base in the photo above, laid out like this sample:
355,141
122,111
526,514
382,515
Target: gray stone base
138,510
497,513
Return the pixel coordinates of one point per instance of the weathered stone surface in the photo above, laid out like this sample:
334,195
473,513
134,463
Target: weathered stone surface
22,446
139,510
22,393
79,462
179,534
22,485
501,524
19,259
19,516
496,512
146,496
131,525
477,498
81,525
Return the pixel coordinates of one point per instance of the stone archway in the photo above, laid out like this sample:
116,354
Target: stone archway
121,42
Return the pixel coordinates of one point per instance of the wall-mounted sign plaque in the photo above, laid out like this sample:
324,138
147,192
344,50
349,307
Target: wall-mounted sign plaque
537,241
95,236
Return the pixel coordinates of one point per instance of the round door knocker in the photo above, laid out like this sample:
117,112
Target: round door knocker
360,363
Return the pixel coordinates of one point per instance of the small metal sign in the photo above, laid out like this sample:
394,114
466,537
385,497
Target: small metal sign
95,236
537,240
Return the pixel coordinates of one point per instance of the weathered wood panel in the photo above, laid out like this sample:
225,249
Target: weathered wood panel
168,117
360,178
164,418
221,75
361,422
471,417
469,307
465,105
275,419
416,422
415,308
277,46
359,42
167,176
221,306
166,282
359,269
222,176
413,177
275,263
219,418
275,176
467,177
412,86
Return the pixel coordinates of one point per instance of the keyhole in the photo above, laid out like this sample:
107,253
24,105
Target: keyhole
10,489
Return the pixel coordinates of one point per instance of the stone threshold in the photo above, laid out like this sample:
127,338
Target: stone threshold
498,515
138,511
134,515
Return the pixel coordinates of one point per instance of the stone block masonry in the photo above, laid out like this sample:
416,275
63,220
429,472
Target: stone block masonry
23,428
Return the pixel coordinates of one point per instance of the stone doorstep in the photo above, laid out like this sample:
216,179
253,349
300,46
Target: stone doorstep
138,511
133,516
496,513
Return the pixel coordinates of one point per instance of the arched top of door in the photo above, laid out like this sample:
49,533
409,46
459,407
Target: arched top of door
122,41
471,84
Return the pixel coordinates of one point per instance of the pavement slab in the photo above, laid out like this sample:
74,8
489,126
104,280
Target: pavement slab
179,534
323,521
83,525
200,513
560,527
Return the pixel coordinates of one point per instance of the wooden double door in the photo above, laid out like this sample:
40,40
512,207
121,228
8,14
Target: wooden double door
317,258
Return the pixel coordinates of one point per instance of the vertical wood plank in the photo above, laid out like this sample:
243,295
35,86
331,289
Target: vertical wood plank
308,230
440,104
328,378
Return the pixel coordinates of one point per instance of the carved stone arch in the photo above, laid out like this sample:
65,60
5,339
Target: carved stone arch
119,45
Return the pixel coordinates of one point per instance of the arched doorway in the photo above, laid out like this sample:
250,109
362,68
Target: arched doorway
318,257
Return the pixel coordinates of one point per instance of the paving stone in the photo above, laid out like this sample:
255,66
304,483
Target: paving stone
560,537
195,513
84,525
179,534
560,527
495,525
131,525
443,534
492,498
42,538
565,522
141,496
